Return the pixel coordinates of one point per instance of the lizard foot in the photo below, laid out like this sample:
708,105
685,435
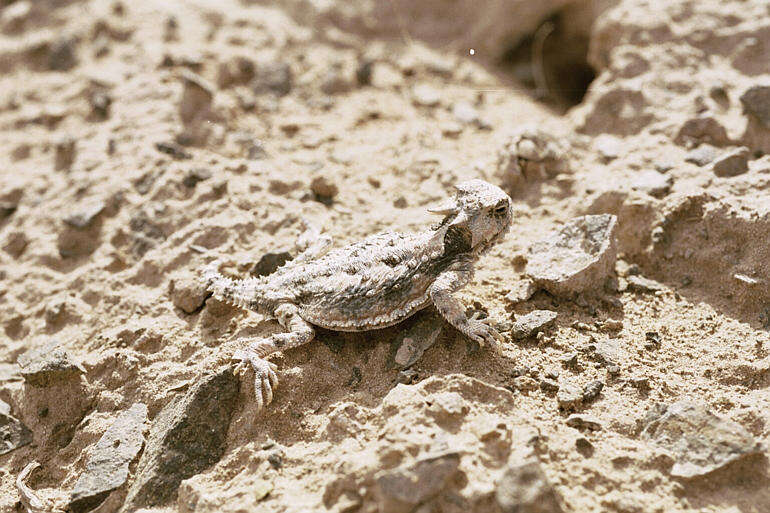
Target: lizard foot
482,331
265,378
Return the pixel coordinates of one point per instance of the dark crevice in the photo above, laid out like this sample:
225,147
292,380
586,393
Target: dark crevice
551,63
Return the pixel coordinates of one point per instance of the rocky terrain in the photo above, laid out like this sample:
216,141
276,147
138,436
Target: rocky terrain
142,140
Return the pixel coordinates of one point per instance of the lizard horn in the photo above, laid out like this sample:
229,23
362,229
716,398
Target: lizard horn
445,208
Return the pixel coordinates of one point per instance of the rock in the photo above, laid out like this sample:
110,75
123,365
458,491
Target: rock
606,352
756,103
530,156
187,293
336,81
195,176
13,434
699,441
270,262
14,16
175,150
521,291
549,386
323,188
48,365
525,384
584,421
702,130
608,146
642,284
465,113
592,390
569,397
576,258
107,465
100,102
651,182
584,447
15,243
451,129
424,95
530,324
86,215
240,494
197,96
235,71
364,72
524,488
732,163
272,77
569,360
64,154
410,344
186,437
61,55
406,487
701,155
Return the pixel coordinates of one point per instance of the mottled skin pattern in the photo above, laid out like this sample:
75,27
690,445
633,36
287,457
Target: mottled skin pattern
371,284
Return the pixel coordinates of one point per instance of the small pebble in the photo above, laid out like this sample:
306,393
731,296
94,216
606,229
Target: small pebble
732,163
584,421
592,390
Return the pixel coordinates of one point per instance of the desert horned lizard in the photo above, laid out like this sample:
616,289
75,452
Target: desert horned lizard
371,284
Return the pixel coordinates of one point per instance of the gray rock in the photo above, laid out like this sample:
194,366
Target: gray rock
174,150
651,182
702,155
410,344
197,96
195,176
404,488
592,390
584,421
699,441
530,324
524,488
48,365
578,257
607,352
521,291
569,397
61,55
107,466
756,102
13,434
642,284
85,216
186,437
732,163
273,77
270,262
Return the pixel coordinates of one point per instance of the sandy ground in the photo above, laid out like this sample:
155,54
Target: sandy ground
358,116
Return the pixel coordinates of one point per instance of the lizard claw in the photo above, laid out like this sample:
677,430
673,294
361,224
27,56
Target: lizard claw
265,377
483,333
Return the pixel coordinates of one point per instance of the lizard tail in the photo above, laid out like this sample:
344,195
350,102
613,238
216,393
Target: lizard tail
241,293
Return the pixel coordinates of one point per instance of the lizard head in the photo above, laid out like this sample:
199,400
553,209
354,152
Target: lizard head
481,210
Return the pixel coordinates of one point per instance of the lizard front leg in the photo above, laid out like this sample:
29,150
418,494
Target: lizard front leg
441,293
265,378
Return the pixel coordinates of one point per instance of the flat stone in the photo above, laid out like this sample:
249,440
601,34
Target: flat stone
584,421
732,163
530,324
756,103
13,434
521,291
607,352
578,257
704,129
642,284
186,437
410,344
700,441
404,488
524,488
48,365
107,466
702,155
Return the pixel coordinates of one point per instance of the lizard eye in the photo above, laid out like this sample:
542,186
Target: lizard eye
501,209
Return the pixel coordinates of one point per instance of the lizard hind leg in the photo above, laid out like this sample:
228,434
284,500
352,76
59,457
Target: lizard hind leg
265,379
